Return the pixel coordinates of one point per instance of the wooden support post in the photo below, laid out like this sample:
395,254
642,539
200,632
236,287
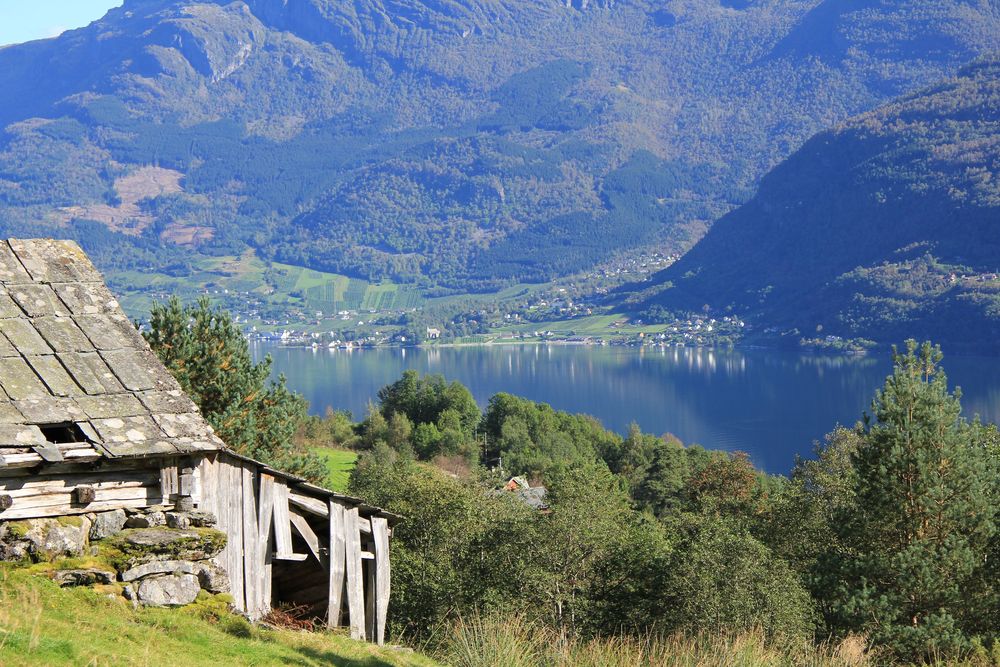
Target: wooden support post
185,492
355,579
380,534
337,564
84,495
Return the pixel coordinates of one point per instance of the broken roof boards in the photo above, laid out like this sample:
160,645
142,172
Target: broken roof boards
75,375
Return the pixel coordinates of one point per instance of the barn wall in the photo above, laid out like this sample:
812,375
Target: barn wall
286,546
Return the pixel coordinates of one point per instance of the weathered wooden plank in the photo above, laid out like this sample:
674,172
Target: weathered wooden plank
337,561
251,542
54,504
265,521
380,535
355,577
52,495
234,492
310,536
168,478
69,509
31,459
25,486
282,523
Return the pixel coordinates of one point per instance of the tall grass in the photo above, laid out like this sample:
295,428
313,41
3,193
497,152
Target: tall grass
514,641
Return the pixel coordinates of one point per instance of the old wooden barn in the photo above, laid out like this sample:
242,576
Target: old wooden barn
91,422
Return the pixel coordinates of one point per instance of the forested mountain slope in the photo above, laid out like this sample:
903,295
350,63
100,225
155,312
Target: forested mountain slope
885,227
461,144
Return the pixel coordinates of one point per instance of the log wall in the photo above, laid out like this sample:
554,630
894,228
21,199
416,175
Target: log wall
52,492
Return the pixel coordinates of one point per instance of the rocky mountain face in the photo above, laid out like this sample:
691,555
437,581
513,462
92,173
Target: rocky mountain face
883,228
459,145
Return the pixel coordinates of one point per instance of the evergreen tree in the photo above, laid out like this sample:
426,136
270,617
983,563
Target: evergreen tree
914,540
208,354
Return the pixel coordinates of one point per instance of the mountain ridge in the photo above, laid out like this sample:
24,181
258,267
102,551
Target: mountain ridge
461,146
882,228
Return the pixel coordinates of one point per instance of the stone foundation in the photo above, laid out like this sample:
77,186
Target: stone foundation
161,557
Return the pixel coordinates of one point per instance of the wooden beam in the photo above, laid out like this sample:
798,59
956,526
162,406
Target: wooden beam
355,578
310,536
380,534
84,495
320,508
337,564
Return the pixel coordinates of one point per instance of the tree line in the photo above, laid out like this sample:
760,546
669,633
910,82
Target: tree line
889,532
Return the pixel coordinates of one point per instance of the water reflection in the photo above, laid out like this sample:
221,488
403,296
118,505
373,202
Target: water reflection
768,403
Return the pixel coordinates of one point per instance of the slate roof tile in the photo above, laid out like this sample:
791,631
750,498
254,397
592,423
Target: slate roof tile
11,269
37,300
6,349
23,336
108,332
175,401
91,373
50,410
9,414
87,298
19,381
7,306
55,377
111,405
20,435
62,334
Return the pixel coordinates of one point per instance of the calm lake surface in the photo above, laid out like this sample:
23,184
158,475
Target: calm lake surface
771,404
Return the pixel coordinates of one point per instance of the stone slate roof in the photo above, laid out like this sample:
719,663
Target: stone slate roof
77,381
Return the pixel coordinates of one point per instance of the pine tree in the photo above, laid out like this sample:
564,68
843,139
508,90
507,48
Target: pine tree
208,354
914,540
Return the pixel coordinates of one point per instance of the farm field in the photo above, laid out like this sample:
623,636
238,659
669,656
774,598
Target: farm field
246,281
339,463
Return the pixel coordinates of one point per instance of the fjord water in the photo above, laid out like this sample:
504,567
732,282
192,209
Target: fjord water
771,404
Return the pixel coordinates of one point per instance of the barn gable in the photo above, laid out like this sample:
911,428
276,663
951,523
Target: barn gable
78,382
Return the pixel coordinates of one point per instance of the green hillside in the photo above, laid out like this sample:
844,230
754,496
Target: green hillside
41,624
883,228
455,147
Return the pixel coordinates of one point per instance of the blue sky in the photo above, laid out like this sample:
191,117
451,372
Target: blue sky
23,20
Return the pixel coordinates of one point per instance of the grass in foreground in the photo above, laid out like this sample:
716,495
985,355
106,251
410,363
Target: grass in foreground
340,463
41,624
490,641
